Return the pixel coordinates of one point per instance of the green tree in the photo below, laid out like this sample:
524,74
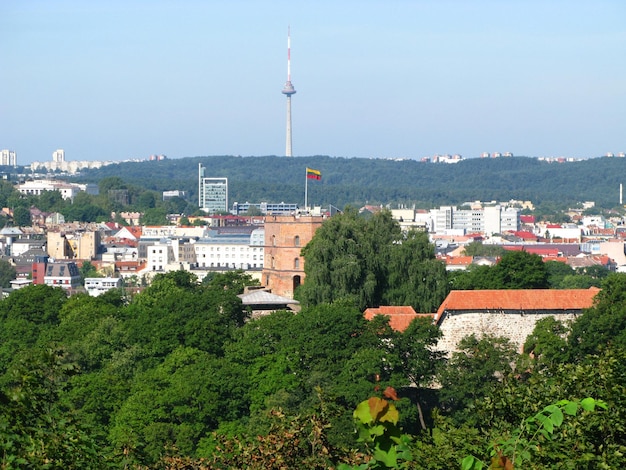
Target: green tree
87,269
7,273
37,430
147,200
111,182
154,216
521,270
24,315
515,270
548,341
49,201
472,372
337,262
369,262
479,249
21,217
172,405
604,325
557,271
414,276
236,280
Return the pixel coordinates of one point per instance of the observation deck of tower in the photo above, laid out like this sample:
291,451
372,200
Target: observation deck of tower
288,90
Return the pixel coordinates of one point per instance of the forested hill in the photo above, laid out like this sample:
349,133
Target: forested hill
357,181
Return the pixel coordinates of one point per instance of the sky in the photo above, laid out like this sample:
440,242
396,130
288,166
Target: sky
122,79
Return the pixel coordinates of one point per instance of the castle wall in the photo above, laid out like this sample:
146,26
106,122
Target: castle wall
514,326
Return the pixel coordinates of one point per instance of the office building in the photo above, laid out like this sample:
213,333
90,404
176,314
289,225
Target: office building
212,193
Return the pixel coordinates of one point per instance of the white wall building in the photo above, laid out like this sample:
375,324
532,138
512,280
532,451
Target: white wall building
58,156
67,190
96,286
487,220
234,251
8,158
62,274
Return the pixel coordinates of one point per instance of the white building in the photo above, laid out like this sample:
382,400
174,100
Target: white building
58,156
212,193
234,251
8,158
99,285
488,220
67,190
62,274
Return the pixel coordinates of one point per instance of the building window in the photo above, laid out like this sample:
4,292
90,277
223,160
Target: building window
296,240
273,240
296,263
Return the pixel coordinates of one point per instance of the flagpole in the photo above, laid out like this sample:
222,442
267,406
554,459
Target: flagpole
306,188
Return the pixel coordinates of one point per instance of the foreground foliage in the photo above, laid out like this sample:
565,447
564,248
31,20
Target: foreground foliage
176,377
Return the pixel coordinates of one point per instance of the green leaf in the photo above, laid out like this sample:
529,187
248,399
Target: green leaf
389,457
362,412
378,430
588,404
570,407
556,417
468,463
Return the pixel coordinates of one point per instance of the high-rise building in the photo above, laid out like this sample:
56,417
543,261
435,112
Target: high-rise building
58,156
212,192
288,90
8,158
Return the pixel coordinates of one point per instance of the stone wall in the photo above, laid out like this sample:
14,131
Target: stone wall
514,326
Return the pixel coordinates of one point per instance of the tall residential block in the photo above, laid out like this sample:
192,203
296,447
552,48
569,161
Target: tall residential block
8,158
58,156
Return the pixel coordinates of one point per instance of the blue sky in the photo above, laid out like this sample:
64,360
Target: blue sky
111,80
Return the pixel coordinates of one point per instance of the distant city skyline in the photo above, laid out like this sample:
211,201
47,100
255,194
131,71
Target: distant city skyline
120,79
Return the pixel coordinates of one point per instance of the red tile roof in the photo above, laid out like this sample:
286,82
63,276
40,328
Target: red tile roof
542,251
399,317
525,235
459,260
527,299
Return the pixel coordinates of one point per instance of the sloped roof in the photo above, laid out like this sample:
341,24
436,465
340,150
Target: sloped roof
459,260
132,232
526,299
543,251
11,231
262,297
399,317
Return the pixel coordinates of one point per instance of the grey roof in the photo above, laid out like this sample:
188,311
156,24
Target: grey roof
262,297
11,231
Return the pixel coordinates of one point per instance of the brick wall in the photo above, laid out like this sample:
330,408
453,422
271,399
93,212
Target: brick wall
285,236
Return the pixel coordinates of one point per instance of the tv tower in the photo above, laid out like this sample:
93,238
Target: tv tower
288,90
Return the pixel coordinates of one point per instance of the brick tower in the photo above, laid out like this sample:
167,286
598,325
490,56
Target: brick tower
285,236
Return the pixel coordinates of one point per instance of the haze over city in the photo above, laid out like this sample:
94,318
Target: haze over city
403,79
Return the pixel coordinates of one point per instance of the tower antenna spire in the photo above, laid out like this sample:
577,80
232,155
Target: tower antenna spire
288,90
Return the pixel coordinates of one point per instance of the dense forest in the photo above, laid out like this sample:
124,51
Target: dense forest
357,181
179,377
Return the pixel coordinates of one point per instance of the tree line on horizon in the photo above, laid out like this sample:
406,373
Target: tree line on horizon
360,181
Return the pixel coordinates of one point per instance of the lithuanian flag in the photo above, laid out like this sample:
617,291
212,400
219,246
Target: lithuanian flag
313,174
